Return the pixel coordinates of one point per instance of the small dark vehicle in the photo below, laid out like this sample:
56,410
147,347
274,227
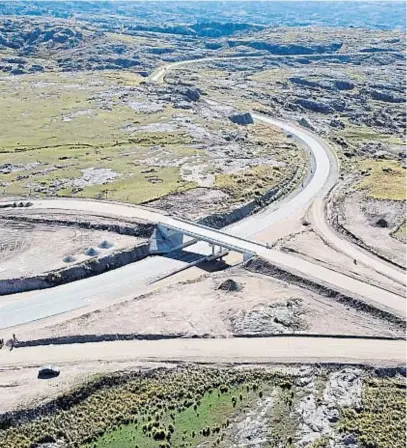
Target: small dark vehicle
47,372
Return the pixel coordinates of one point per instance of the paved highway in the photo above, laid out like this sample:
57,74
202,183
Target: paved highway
20,308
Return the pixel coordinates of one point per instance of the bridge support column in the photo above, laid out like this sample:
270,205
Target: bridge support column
164,240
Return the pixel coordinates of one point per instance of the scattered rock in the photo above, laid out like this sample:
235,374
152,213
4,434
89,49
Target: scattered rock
69,259
386,97
230,285
242,119
191,93
382,223
342,84
338,124
349,439
315,106
280,317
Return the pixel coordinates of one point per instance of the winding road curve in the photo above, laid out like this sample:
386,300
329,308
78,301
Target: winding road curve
20,308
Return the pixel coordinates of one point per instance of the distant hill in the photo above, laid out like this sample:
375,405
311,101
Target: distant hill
164,16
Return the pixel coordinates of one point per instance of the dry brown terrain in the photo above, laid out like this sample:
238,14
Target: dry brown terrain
374,221
199,308
311,246
28,249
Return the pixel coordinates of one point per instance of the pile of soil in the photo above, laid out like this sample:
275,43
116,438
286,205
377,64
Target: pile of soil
230,285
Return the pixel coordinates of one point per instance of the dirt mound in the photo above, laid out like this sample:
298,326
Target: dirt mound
91,252
230,285
105,244
382,223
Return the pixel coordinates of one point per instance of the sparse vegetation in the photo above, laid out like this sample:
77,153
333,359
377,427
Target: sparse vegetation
381,421
173,406
385,179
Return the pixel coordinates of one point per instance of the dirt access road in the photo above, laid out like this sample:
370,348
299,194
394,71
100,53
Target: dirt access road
32,306
236,350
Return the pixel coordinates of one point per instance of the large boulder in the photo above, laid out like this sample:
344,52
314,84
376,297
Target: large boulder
242,119
230,285
382,223
305,124
386,97
315,106
343,84
189,93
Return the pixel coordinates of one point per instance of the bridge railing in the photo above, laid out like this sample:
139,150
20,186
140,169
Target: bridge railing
213,240
202,226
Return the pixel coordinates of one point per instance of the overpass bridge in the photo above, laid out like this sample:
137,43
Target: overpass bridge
170,234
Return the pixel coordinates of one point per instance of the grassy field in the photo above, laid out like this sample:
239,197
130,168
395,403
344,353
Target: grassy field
196,406
387,179
181,406
57,124
195,424
364,133
69,123
250,183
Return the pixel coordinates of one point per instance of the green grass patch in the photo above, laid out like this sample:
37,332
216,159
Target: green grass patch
272,75
158,407
386,179
138,187
200,422
365,133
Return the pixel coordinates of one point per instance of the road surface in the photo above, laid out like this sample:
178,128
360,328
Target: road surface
236,350
25,307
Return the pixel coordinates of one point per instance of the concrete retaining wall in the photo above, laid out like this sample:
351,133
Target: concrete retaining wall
79,271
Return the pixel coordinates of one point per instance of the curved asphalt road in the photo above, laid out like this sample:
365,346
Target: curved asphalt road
20,308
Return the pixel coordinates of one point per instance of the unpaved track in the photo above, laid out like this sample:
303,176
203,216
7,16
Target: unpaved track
237,350
32,306
21,308
324,178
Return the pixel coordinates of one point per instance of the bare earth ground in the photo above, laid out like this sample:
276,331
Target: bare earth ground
362,215
20,387
29,249
311,246
199,308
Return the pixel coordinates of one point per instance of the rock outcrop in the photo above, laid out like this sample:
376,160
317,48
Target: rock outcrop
242,119
315,106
